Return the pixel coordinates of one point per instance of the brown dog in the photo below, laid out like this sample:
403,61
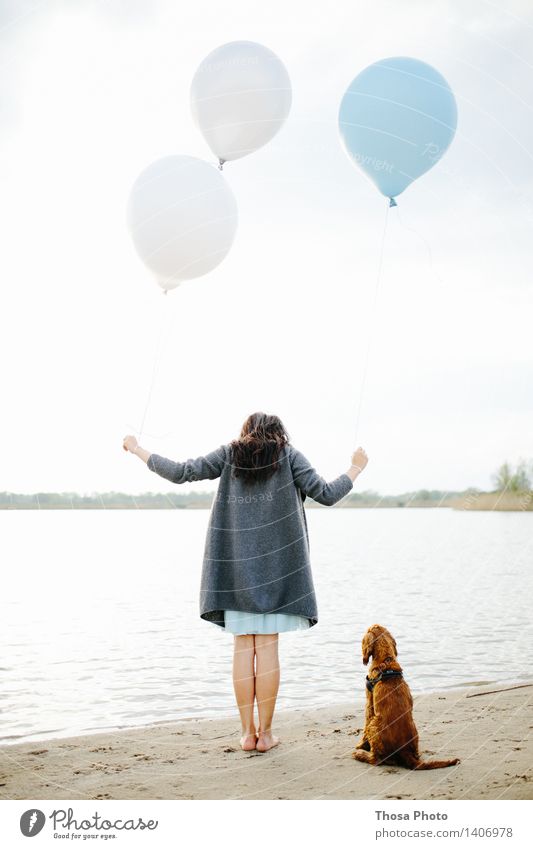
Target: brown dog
390,734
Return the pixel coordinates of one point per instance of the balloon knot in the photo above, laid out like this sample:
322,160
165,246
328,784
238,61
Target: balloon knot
392,202
221,164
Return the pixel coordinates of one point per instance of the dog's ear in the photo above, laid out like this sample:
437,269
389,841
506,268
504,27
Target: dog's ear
368,641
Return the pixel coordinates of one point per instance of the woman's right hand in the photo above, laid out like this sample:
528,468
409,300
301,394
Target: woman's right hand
359,458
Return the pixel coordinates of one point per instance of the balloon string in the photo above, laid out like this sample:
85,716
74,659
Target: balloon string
434,272
156,363
372,323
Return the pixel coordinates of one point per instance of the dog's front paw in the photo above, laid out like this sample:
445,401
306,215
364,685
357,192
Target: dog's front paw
364,757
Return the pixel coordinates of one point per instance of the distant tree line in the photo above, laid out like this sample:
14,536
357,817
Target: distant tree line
509,479
203,500
104,500
517,479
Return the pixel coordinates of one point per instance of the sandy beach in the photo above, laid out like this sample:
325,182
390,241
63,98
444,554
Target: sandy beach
201,758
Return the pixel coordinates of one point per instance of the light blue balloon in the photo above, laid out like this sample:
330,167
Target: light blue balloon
396,119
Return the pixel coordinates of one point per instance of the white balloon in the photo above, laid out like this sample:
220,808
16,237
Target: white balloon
182,216
240,97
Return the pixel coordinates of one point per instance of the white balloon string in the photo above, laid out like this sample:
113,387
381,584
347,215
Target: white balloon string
372,324
162,339
422,238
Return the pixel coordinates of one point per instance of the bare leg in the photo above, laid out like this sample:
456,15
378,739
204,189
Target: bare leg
244,686
266,687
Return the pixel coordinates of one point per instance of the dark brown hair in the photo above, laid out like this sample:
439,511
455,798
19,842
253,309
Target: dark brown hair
255,453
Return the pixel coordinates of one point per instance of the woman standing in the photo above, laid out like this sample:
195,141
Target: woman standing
256,574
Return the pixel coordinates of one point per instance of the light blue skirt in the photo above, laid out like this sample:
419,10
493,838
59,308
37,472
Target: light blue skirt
241,622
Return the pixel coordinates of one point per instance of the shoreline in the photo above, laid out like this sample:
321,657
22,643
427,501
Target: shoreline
57,735
469,500
200,758
461,505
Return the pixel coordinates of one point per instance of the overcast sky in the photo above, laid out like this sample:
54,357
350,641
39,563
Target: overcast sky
91,92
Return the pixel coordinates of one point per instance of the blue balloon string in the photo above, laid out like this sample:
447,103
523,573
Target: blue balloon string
372,321
422,238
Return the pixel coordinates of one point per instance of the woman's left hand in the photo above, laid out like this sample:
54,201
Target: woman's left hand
130,444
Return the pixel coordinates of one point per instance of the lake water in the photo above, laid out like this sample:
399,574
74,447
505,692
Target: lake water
100,627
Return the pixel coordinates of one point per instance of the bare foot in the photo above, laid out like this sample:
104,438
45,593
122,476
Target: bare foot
248,742
266,740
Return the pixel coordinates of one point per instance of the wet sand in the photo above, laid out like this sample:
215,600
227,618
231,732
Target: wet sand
201,758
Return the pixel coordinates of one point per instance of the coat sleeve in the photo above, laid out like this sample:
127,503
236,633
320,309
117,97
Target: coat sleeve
201,468
312,484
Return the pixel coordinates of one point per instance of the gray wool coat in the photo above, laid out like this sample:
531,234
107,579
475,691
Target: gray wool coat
256,555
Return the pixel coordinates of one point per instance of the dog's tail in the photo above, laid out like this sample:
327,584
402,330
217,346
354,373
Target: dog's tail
436,764
413,762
